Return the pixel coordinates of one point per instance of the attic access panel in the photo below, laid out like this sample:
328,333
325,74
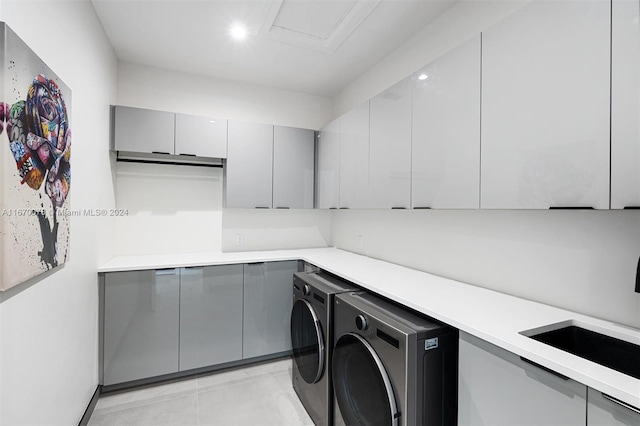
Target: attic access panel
317,25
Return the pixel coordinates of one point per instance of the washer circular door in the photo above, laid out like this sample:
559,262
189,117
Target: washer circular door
361,384
307,341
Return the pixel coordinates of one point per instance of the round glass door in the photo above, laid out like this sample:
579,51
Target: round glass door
307,341
361,384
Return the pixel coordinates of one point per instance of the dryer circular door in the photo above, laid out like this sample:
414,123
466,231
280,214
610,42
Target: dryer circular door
307,341
361,384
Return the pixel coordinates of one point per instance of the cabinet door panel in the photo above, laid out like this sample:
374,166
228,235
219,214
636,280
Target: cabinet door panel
329,166
143,130
496,387
140,325
210,315
625,104
267,308
390,148
446,130
249,165
545,107
604,412
201,136
354,158
293,167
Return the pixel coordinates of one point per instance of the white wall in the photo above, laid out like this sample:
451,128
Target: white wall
155,88
178,208
49,327
583,261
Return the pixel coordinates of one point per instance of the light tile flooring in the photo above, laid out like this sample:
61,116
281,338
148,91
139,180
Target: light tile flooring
254,396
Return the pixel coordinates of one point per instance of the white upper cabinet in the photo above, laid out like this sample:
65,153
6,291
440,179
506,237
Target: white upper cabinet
249,165
390,148
143,130
545,107
625,104
293,168
446,130
201,136
328,185
354,158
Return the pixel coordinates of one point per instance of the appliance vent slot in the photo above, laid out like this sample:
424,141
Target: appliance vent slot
318,298
390,340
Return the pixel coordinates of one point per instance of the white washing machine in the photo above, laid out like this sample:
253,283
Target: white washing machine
390,366
311,341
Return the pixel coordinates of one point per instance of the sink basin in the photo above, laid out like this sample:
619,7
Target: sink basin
617,354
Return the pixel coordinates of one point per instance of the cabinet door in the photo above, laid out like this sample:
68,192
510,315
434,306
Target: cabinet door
201,136
625,104
604,411
293,167
140,324
267,308
143,130
390,148
354,158
329,166
496,387
446,130
249,165
210,315
545,107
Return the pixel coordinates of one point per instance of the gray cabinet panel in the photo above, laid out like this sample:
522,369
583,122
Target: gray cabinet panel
249,165
329,166
201,136
140,325
605,412
143,130
495,387
267,308
293,169
210,315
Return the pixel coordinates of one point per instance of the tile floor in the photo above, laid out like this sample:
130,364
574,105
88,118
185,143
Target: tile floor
254,396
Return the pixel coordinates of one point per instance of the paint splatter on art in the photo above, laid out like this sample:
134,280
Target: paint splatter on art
35,164
40,142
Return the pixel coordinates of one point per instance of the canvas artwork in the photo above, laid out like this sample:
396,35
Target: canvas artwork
35,164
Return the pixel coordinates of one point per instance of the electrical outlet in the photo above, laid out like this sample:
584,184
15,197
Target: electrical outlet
360,242
239,239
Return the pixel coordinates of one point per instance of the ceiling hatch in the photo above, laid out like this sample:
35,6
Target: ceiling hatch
317,25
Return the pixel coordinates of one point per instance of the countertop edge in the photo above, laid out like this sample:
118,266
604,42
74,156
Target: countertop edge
489,326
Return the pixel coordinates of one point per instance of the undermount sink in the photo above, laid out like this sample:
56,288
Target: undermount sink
573,337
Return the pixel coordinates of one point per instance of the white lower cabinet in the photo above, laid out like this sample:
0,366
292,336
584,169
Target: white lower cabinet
603,410
496,387
267,308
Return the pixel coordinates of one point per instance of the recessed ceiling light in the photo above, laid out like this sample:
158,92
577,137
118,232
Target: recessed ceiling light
423,77
212,121
239,31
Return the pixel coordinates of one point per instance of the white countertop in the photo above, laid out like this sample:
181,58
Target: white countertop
489,315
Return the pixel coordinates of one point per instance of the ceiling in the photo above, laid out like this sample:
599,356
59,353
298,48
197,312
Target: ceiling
310,46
